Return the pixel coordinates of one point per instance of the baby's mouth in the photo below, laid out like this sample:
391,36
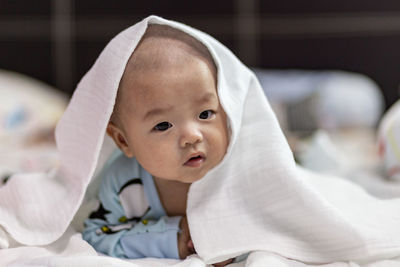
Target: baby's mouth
195,161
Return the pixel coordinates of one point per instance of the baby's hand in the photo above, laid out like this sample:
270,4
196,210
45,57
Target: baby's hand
185,244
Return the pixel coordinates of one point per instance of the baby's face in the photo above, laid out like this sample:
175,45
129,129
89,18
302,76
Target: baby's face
173,122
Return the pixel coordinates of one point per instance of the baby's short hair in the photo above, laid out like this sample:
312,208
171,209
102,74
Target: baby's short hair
142,61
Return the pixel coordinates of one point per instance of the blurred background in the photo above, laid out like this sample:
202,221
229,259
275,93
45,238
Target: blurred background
56,41
330,69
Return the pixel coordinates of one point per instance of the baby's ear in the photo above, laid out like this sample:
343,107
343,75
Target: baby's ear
118,136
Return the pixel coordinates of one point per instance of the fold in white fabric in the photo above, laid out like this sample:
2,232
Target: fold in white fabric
257,198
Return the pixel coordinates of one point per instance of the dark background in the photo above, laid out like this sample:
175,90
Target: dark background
57,41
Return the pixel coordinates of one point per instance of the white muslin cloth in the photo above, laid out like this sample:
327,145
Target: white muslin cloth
256,199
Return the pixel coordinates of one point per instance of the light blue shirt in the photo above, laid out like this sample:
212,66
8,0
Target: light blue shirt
131,221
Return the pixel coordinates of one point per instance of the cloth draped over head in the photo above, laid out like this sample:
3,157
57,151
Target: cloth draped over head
257,198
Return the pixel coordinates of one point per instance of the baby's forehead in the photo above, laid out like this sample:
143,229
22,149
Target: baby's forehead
155,59
155,54
161,48
150,82
162,45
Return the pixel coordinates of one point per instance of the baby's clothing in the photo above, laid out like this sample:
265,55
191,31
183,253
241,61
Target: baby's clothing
131,221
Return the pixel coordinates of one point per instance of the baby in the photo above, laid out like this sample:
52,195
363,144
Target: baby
171,130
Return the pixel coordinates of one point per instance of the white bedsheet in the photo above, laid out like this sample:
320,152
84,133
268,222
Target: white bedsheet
71,250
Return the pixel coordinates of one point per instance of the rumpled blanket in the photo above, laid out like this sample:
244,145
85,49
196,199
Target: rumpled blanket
257,199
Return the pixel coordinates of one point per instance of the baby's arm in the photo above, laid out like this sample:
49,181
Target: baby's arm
153,238
117,228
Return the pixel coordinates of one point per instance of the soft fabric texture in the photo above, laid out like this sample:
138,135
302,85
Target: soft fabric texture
255,199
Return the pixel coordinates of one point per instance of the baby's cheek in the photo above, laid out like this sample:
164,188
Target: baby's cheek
161,155
223,136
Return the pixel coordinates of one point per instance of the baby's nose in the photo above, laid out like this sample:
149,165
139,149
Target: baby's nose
190,136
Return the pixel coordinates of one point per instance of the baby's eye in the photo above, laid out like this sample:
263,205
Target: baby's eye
162,126
207,114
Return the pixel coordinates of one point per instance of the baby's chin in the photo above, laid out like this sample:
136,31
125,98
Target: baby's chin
188,176
188,180
181,179
191,179
200,175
